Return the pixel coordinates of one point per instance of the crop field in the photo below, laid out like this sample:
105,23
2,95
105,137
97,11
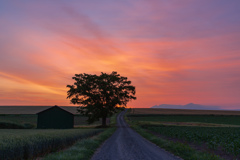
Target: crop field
215,138
30,120
31,109
215,133
18,121
27,144
181,111
25,117
215,119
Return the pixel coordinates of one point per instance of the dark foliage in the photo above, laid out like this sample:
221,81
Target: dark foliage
100,96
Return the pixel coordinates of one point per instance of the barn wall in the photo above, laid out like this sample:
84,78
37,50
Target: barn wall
55,118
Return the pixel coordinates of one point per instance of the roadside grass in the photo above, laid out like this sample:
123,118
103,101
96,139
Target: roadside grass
31,143
177,148
222,140
85,148
217,134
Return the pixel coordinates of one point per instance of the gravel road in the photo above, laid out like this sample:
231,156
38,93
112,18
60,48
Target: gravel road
126,144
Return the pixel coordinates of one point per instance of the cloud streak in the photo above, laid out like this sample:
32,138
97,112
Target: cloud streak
174,52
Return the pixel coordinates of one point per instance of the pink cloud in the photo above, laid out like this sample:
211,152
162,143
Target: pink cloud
174,52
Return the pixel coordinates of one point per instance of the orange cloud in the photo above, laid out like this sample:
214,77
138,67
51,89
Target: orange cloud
171,52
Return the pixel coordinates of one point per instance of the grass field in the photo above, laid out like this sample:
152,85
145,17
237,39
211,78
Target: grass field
213,132
181,111
30,120
215,138
26,117
215,119
85,148
27,144
33,143
32,109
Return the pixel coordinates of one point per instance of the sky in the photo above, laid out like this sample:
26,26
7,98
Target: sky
174,52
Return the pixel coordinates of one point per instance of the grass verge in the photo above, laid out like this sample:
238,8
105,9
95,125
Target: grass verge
83,149
31,143
179,149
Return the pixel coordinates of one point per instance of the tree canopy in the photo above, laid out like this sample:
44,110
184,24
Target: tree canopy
99,96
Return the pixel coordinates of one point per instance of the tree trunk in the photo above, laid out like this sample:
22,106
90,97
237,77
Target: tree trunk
104,119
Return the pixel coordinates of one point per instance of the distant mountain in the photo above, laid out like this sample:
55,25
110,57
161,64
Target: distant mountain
187,106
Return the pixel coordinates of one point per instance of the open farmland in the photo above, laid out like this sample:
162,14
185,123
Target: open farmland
26,117
181,111
27,144
189,116
31,109
225,139
187,119
215,132
18,121
30,120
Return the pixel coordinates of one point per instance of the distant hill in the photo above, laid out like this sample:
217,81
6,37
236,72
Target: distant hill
187,106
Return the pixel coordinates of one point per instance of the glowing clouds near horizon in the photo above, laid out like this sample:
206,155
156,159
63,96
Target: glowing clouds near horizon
172,52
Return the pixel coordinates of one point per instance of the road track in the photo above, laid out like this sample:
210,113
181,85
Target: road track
126,144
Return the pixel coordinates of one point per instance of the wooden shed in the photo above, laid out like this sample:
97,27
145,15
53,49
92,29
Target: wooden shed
56,118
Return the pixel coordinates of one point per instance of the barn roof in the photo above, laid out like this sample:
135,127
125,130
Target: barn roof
54,107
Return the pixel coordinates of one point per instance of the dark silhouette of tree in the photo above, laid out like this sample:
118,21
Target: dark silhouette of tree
100,96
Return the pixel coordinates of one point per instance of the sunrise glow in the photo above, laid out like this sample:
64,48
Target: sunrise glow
174,52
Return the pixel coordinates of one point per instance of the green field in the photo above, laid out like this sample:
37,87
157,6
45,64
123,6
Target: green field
27,144
32,109
30,120
214,137
83,149
164,111
217,119
26,116
33,143
213,134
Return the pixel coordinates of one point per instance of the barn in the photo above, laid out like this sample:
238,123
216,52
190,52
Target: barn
55,118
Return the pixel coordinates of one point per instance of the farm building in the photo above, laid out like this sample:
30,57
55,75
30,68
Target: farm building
56,118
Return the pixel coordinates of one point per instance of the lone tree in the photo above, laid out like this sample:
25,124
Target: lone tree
100,96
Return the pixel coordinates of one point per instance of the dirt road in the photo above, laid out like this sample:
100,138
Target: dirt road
126,144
